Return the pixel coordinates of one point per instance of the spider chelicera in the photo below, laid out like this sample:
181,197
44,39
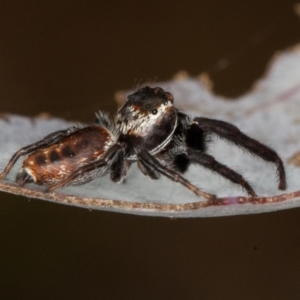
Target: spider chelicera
149,130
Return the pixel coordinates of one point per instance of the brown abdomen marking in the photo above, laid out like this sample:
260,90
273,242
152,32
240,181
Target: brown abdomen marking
54,156
40,159
56,162
67,152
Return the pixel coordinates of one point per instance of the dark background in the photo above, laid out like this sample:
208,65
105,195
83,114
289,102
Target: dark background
68,58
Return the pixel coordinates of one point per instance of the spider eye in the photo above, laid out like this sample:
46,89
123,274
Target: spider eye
147,105
165,103
154,111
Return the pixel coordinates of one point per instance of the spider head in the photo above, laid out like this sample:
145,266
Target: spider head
148,114
147,94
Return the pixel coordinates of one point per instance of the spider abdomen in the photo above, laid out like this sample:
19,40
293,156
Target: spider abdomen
56,162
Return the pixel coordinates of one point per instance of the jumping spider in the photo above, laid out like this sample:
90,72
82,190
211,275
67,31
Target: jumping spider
148,130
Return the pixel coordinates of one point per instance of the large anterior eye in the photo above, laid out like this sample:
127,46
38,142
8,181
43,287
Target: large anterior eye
154,111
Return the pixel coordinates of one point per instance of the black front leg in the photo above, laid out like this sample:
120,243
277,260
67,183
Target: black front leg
148,170
147,159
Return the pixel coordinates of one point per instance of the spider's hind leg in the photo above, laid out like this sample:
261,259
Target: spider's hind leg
233,134
148,170
151,162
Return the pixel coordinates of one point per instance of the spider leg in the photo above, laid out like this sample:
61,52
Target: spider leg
87,168
210,163
147,159
23,178
233,134
147,170
108,156
119,167
46,141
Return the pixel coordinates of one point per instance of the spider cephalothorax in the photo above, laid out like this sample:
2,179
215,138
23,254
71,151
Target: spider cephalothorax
148,119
